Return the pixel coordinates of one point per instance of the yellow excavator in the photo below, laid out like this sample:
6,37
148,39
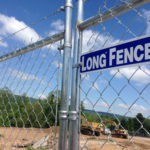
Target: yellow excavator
94,128
107,122
116,132
90,128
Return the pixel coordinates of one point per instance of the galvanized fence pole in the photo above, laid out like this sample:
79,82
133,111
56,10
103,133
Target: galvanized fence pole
65,76
74,129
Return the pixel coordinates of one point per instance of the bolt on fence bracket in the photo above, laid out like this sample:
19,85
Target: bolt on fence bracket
69,5
73,115
78,65
62,8
63,114
61,47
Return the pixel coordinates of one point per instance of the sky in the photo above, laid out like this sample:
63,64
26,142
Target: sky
124,91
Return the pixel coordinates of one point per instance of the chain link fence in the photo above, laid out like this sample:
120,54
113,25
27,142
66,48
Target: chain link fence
30,97
115,103
34,90
30,86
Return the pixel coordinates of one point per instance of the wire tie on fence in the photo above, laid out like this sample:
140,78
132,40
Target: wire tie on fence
73,115
61,47
77,65
100,15
62,8
101,19
63,114
129,5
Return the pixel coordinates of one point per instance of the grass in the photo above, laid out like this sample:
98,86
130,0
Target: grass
40,148
29,148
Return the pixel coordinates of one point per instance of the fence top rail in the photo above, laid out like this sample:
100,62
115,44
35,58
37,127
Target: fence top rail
99,18
48,40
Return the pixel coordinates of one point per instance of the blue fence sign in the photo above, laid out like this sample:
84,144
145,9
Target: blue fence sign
133,52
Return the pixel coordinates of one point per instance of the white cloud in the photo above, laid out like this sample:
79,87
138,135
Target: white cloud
23,75
56,64
58,25
135,109
95,85
123,106
87,105
92,40
10,25
86,76
138,108
3,44
98,107
102,104
54,46
146,14
42,96
134,73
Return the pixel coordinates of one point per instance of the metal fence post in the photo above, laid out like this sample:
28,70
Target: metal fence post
65,76
74,129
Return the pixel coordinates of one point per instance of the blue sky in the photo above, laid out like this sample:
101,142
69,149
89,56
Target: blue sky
35,73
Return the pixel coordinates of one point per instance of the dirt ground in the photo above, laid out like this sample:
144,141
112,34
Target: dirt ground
23,138
105,142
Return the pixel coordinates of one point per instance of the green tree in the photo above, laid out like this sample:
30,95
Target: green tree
124,123
23,111
82,107
130,124
49,106
138,122
147,125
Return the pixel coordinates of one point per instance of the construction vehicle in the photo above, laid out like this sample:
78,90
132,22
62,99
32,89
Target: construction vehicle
116,132
94,128
121,133
90,128
107,122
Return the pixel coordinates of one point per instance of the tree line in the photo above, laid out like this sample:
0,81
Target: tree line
22,111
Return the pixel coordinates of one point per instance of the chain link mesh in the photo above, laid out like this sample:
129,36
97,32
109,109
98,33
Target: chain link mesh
30,87
30,99
115,103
